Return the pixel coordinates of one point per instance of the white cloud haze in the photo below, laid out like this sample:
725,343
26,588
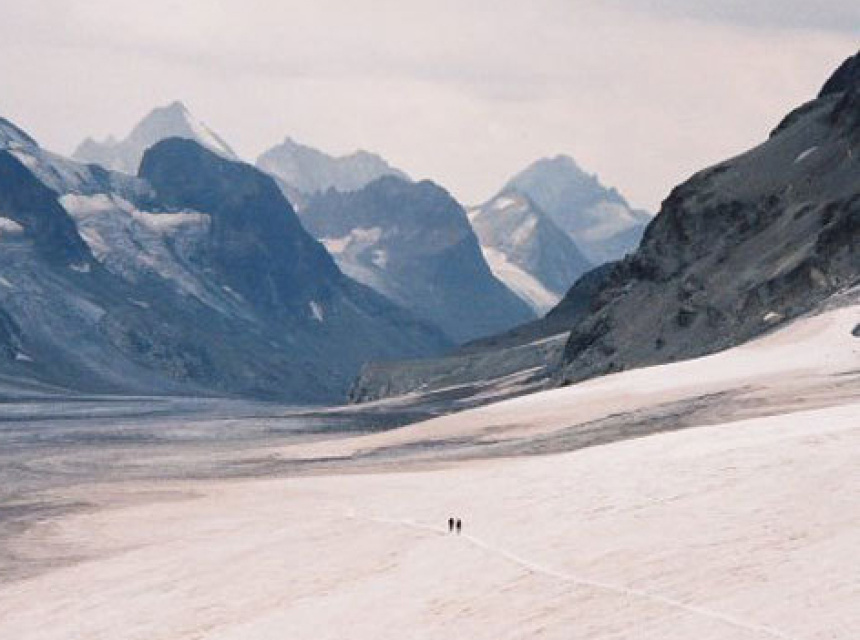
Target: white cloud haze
466,93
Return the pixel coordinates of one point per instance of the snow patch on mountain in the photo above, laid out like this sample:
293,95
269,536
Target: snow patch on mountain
9,227
135,244
357,239
316,311
805,154
521,282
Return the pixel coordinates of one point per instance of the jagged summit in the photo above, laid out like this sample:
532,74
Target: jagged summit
171,121
307,171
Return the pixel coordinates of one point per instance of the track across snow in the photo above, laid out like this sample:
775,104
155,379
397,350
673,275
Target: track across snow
534,567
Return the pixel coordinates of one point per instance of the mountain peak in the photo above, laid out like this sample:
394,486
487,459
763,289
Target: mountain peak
597,218
173,120
846,77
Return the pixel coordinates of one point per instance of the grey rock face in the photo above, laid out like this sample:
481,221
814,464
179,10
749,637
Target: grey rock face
305,171
598,219
171,121
739,247
526,250
412,243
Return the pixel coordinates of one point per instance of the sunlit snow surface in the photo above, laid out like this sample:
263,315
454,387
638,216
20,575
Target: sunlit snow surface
745,528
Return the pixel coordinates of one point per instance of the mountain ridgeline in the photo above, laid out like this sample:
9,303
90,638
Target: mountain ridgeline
196,277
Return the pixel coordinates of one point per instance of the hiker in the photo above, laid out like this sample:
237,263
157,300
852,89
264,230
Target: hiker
450,525
459,525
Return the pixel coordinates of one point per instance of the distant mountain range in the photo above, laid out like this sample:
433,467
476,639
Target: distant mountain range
536,250
171,121
162,264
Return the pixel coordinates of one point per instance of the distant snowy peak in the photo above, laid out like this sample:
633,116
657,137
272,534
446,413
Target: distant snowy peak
526,250
171,121
597,218
309,171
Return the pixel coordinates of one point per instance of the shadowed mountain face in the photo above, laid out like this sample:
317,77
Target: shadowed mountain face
33,207
526,250
200,281
740,246
412,242
596,218
256,243
172,121
304,171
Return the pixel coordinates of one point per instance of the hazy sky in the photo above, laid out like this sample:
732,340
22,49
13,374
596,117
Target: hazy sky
642,92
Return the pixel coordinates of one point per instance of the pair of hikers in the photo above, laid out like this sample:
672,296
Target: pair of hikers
455,524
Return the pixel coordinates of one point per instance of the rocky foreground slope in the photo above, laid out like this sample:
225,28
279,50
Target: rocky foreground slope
740,247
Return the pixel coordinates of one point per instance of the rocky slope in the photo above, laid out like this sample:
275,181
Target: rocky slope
526,250
598,219
412,243
740,247
196,277
513,362
171,121
305,171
